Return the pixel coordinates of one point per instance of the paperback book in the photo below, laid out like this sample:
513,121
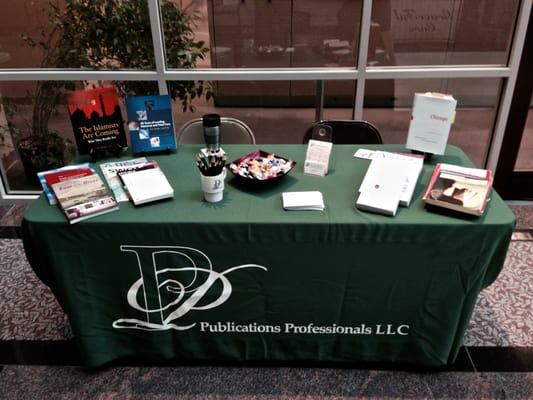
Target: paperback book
150,124
461,189
431,120
110,170
47,178
96,120
84,197
147,185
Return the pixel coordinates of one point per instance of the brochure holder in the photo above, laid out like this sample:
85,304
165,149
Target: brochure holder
318,151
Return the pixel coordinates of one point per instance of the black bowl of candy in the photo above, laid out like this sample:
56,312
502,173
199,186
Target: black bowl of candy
260,168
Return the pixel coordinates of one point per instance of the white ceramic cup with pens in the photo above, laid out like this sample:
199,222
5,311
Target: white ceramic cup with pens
213,187
211,165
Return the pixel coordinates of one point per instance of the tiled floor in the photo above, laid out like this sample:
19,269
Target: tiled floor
257,383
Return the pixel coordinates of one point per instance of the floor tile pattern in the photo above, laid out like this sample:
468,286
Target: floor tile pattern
503,315
524,216
28,309
257,383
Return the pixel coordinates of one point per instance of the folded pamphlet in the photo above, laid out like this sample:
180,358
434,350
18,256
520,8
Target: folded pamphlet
311,200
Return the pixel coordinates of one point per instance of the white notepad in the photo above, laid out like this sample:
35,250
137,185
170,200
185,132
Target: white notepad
311,200
147,185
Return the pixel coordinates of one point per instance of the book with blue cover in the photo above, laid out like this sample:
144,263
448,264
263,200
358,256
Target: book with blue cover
150,124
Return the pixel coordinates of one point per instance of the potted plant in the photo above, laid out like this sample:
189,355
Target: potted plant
101,34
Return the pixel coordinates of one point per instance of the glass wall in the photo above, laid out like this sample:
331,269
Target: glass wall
441,32
477,101
282,47
76,34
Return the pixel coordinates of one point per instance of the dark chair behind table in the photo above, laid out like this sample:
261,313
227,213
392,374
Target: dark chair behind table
232,131
349,132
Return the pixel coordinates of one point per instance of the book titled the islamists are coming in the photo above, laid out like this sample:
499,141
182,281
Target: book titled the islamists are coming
150,124
96,120
84,197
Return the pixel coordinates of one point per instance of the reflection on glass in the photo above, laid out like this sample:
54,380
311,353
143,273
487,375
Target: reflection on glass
274,33
477,100
441,32
270,122
99,34
186,34
338,99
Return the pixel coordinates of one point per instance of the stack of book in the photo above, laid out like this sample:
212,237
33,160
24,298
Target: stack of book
78,191
389,182
138,180
461,189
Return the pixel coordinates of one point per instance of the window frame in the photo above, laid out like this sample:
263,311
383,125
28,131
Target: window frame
360,74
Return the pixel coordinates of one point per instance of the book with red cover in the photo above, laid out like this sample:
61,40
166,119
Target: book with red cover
85,197
97,120
47,189
63,175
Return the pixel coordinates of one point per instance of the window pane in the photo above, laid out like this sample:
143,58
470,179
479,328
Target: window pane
435,32
262,34
88,35
36,113
269,113
477,100
338,99
325,33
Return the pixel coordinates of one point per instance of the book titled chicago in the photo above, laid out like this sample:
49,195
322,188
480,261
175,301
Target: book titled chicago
84,197
96,120
150,124
431,120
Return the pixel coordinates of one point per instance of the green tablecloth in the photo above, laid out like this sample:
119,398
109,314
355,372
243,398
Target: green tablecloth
245,280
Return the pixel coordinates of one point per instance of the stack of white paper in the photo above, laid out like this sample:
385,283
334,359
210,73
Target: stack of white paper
312,200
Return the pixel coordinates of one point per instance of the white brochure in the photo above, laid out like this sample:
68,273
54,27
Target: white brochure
431,120
311,200
412,165
317,157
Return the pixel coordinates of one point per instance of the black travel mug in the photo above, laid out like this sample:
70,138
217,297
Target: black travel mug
211,124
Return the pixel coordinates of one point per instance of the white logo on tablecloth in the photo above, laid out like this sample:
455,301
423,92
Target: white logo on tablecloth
165,292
